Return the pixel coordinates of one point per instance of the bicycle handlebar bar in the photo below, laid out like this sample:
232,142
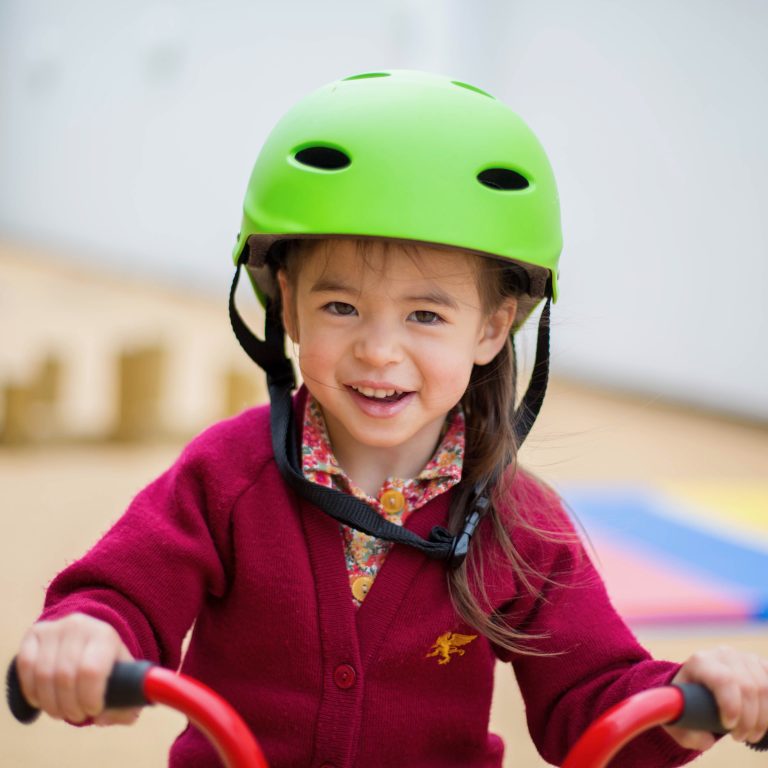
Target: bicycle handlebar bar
140,683
686,705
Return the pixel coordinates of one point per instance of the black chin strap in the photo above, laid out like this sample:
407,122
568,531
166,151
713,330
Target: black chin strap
530,405
270,355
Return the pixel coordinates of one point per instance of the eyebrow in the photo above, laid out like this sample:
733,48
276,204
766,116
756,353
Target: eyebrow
328,285
437,297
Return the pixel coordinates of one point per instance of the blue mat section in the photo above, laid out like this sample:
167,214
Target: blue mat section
638,518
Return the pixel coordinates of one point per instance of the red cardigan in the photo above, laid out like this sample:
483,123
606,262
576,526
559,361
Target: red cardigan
219,541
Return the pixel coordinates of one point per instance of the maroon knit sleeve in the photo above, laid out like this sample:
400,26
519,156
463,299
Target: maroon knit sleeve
150,573
585,659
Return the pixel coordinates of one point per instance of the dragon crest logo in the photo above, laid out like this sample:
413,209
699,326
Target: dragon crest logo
449,644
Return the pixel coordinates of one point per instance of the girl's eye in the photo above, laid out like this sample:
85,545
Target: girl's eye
339,308
425,317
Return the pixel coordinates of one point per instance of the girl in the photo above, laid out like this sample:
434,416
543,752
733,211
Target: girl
356,557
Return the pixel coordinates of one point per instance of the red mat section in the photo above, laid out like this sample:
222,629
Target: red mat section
647,590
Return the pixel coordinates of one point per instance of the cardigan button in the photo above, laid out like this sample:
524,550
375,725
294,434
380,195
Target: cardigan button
360,587
393,501
344,676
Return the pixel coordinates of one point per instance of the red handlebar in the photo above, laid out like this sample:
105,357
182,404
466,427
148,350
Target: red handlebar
693,706
620,724
225,729
138,683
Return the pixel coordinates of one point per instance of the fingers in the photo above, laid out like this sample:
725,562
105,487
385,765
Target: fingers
739,683
36,664
64,665
64,681
95,665
25,666
757,669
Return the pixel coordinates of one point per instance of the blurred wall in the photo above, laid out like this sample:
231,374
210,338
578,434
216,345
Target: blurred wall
655,117
128,129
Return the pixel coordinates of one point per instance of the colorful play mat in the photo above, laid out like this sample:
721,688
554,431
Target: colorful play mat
679,553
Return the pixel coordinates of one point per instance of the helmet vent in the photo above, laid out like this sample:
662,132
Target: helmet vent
366,75
325,158
503,178
472,88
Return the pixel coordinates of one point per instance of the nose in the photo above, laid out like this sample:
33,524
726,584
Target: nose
378,344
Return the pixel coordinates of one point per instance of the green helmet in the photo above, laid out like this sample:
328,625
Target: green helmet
406,155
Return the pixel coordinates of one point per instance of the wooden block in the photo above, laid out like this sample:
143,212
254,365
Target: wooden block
243,391
16,426
31,407
47,384
140,386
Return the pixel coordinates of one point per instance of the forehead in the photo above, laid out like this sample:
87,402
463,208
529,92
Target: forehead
365,260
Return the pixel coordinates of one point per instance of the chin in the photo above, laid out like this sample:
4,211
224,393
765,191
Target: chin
383,441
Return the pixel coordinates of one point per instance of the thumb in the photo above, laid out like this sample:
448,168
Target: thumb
689,739
117,716
123,654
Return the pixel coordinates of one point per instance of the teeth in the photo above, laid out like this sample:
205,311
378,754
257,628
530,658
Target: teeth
379,393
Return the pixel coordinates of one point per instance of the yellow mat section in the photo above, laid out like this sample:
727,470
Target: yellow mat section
742,507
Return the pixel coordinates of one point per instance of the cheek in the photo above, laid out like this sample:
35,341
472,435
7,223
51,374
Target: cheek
448,369
317,352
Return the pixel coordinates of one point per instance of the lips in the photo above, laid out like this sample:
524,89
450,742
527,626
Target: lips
380,401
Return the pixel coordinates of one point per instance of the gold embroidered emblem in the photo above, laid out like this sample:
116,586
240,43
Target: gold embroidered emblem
449,644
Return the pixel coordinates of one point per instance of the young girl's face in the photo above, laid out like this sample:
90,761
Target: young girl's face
387,339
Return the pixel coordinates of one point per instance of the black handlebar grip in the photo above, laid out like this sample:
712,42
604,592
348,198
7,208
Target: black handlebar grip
700,713
125,685
125,688
20,708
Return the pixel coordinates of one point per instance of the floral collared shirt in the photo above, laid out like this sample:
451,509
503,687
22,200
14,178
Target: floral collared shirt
397,498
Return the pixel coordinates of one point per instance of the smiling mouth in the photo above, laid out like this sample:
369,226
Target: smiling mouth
379,395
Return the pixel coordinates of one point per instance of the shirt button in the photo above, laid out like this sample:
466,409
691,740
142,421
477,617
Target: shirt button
392,501
344,676
360,587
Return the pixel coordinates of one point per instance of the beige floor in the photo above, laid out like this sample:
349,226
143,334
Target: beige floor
56,501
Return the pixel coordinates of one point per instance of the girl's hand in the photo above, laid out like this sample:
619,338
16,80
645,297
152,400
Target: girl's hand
63,668
739,683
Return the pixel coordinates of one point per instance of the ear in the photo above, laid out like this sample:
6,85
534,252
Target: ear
288,306
494,332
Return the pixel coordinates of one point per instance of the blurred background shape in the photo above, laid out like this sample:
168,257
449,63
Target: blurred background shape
140,383
674,558
129,131
89,355
31,407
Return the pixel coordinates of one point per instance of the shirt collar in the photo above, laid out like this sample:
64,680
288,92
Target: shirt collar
319,464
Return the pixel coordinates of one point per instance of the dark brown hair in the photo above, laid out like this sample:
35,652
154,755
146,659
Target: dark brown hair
490,454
